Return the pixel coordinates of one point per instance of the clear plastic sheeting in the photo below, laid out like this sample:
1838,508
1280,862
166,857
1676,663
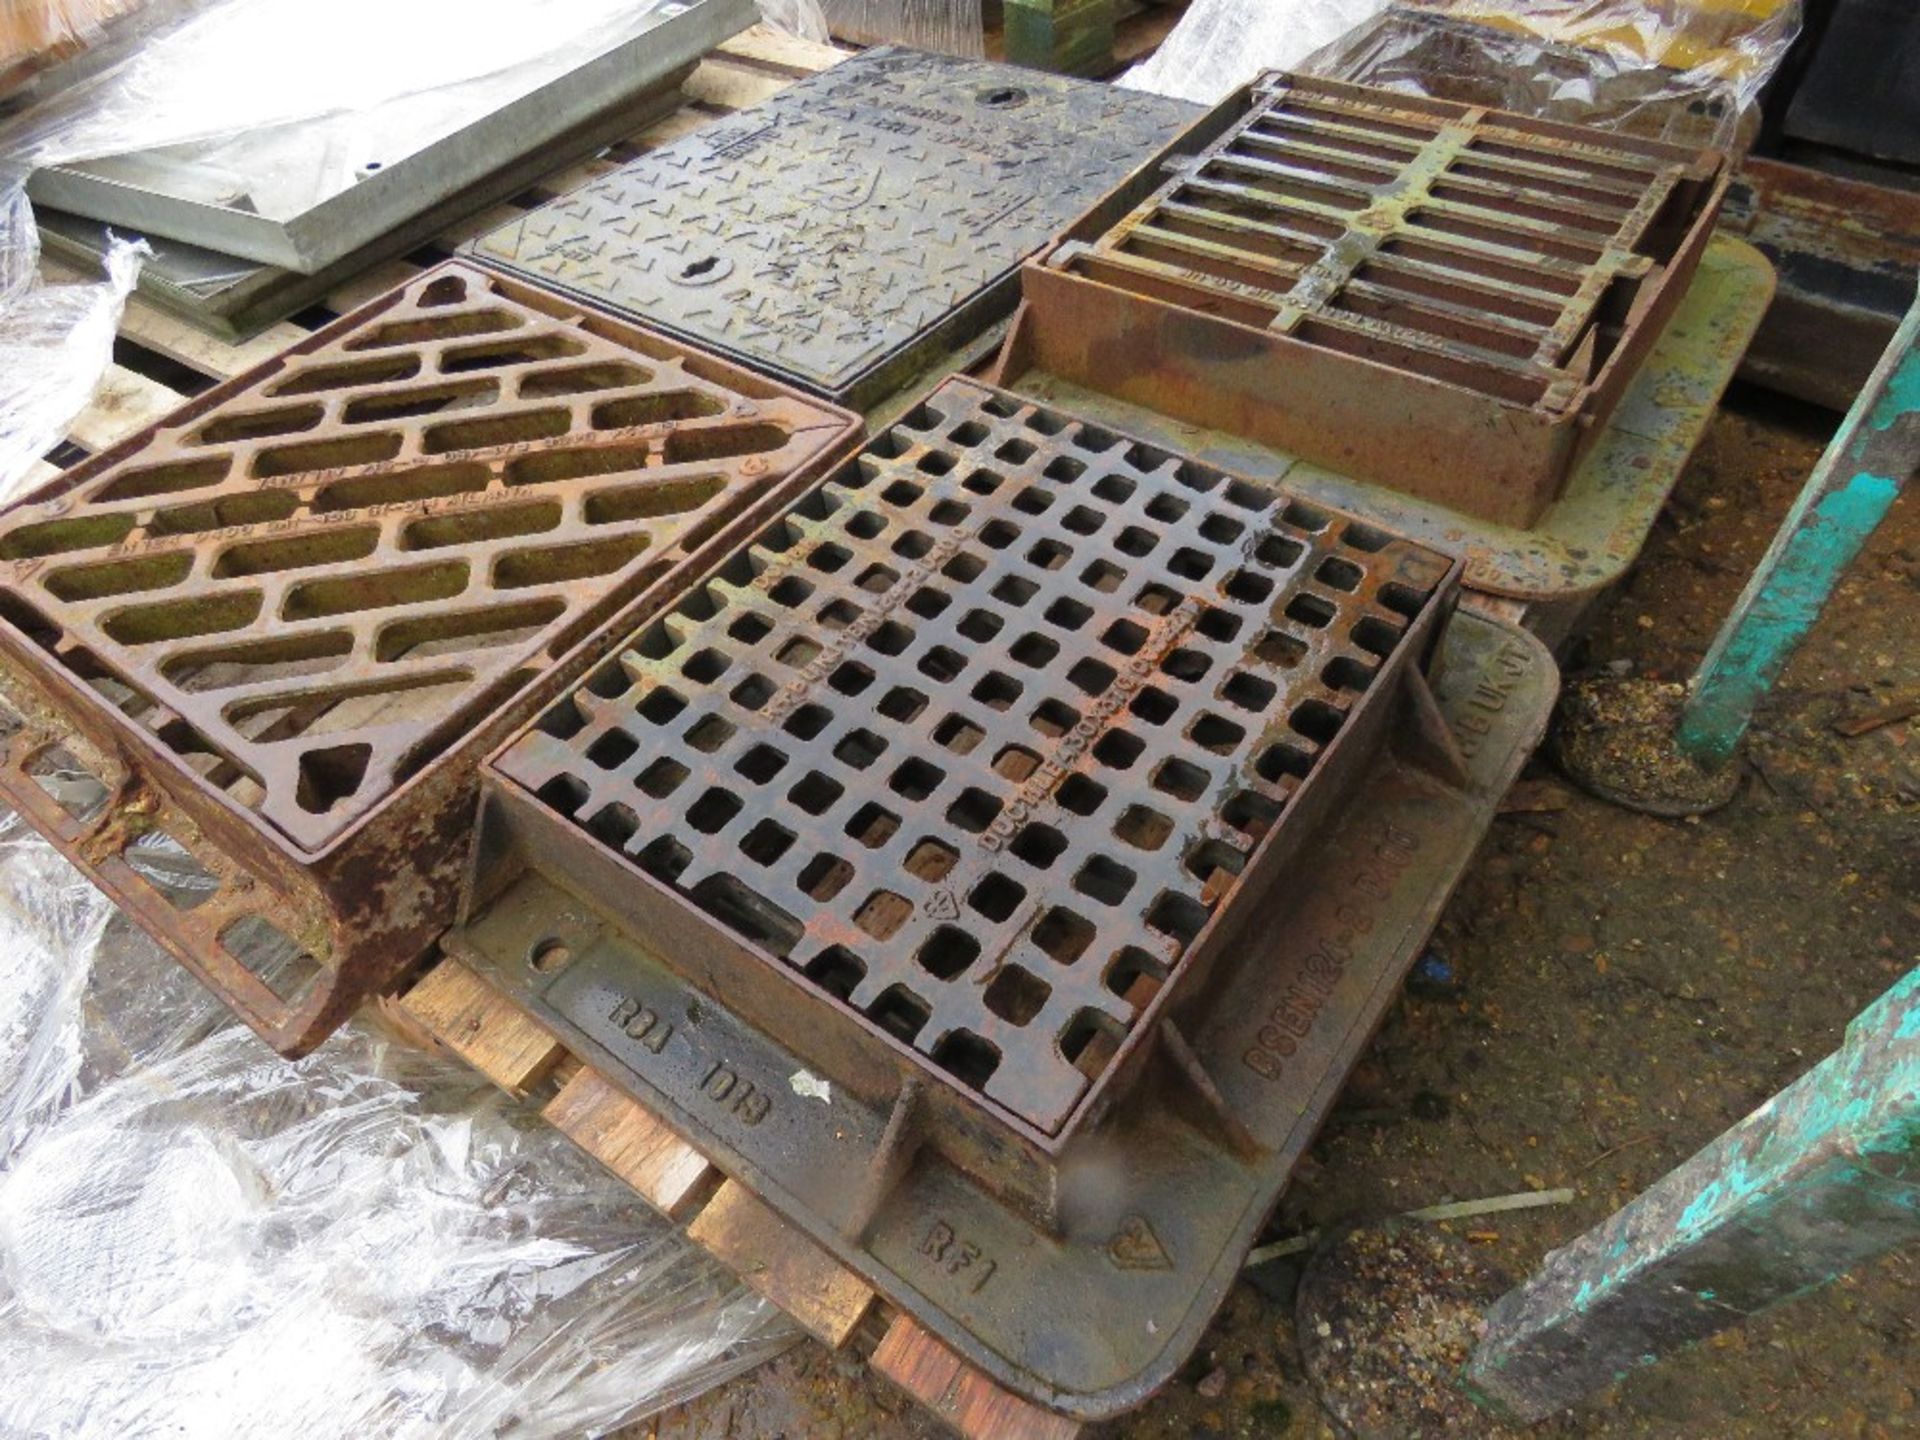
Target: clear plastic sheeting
56,341
201,1241
1688,71
1222,44
223,69
946,27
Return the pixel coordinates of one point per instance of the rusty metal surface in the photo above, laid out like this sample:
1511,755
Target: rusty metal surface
979,737
862,218
1846,252
1387,284
1587,538
1156,1201
283,620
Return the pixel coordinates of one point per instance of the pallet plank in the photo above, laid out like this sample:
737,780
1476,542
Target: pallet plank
928,1370
485,1029
782,1264
732,86
124,402
764,44
616,1130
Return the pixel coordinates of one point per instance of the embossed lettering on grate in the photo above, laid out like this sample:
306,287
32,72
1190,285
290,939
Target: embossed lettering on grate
310,587
978,735
1475,247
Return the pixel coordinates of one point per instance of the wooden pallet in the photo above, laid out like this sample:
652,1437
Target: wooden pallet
460,1013
160,361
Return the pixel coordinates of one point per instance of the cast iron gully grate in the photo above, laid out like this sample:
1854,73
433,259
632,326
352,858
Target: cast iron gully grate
981,733
322,581
1522,264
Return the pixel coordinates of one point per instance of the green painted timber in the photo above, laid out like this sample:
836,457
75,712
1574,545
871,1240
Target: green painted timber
1823,1176
1068,37
1875,453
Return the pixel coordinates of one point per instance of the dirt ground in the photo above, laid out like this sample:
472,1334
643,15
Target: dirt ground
1627,987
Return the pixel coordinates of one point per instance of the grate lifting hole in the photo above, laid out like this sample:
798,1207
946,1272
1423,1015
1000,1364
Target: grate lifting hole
825,876
1090,1041
1016,994
761,764
973,810
662,778
997,897
900,1012
873,825
958,734
713,810
836,970
902,704
1136,976
850,678
1063,936
1106,881
947,952
1154,705
1250,813
967,1057
1079,795
614,825
929,602
931,861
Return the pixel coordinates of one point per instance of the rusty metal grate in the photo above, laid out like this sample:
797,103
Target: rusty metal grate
306,590
981,733
280,628
1520,264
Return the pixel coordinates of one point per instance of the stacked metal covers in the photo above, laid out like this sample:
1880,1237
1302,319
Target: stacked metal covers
305,194
847,234
283,623
1441,299
968,861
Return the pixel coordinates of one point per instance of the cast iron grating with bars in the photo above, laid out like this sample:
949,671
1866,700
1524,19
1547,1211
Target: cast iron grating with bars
1479,248
311,586
978,735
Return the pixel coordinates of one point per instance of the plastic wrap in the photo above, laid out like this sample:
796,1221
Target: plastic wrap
946,27
1681,70
203,1241
1689,71
223,69
1222,44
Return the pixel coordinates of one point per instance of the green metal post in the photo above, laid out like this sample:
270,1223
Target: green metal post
1875,453
1823,1176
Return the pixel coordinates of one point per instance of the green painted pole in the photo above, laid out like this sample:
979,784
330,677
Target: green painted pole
1875,453
1822,1177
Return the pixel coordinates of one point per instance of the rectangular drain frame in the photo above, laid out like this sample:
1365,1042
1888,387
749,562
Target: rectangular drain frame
1184,1171
271,624
908,717
852,231
1438,298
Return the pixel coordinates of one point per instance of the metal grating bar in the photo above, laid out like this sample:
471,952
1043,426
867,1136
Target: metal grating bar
977,738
